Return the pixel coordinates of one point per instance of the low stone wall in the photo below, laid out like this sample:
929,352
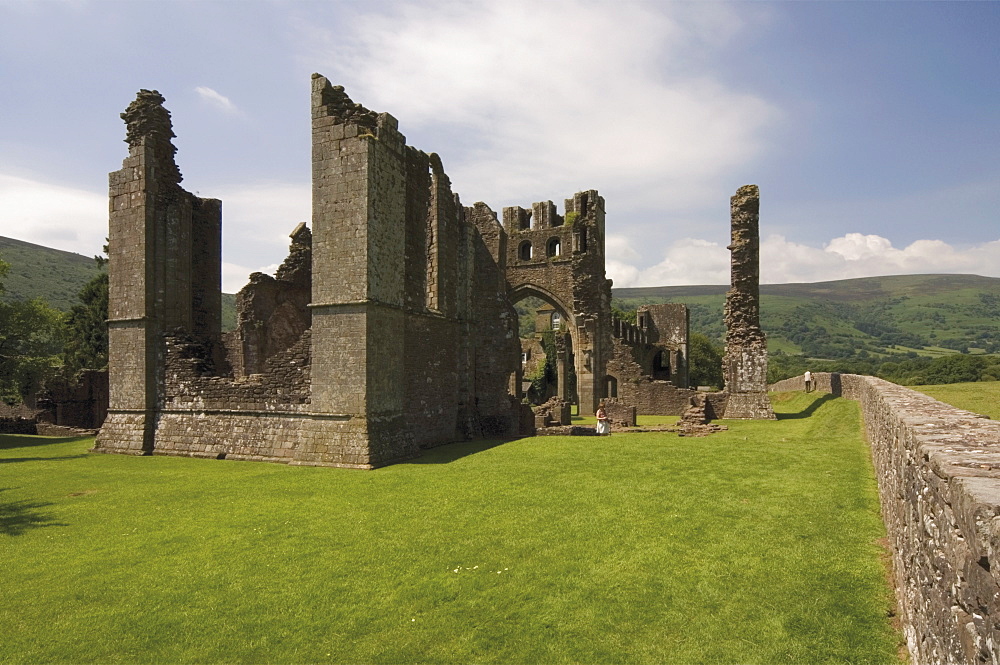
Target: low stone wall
938,471
17,425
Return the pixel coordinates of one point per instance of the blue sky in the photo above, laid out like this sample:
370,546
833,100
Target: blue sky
872,128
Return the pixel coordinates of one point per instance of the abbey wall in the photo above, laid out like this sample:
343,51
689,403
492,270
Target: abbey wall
388,328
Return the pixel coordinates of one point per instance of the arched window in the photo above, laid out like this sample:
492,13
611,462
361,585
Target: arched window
524,251
611,386
556,320
554,247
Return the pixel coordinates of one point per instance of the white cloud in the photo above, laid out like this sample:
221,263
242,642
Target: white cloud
256,221
691,261
216,99
559,96
66,218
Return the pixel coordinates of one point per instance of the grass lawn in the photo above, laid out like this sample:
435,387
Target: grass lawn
981,397
755,545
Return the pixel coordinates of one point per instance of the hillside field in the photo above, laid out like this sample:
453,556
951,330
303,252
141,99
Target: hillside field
855,318
979,397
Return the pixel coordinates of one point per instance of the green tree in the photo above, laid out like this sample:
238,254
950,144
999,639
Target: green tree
87,327
30,341
704,361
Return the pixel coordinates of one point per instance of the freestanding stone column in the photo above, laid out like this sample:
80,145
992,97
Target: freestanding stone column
745,363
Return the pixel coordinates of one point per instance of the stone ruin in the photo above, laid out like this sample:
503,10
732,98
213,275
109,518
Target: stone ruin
388,328
745,362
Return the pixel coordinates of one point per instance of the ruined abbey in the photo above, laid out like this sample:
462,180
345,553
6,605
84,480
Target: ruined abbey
390,325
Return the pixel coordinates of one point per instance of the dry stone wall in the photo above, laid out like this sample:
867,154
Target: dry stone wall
938,471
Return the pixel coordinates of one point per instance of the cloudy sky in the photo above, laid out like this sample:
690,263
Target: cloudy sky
872,128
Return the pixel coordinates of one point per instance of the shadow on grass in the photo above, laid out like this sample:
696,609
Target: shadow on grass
8,441
808,411
12,460
16,517
454,451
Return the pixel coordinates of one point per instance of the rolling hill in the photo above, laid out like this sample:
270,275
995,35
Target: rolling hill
57,277
42,272
871,316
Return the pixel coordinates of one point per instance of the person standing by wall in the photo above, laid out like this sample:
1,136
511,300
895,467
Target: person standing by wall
809,379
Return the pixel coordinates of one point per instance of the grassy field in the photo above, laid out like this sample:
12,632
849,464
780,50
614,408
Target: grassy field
981,397
756,545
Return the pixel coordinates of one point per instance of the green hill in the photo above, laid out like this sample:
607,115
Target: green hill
57,277
42,272
855,318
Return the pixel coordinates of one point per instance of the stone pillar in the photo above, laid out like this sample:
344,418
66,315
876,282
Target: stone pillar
745,363
359,181
562,372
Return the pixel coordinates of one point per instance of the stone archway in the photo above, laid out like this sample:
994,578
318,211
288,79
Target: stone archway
566,269
566,340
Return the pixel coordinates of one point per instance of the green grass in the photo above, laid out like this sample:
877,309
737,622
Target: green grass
755,545
980,397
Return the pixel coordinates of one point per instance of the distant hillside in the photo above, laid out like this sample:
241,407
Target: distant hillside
42,272
867,317
57,276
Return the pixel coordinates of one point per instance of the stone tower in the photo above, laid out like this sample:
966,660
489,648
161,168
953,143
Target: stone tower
560,259
745,363
164,250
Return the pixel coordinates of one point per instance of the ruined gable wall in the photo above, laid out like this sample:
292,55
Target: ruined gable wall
667,328
411,322
938,472
637,388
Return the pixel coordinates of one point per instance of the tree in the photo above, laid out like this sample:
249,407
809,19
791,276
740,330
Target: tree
704,361
30,340
86,325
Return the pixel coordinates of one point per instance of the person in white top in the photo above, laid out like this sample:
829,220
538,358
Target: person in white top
603,426
808,376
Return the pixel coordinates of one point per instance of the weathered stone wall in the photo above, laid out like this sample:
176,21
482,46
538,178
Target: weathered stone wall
387,329
164,253
938,471
635,386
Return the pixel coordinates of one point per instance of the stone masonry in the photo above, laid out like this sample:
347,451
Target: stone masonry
389,327
649,362
745,362
560,259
